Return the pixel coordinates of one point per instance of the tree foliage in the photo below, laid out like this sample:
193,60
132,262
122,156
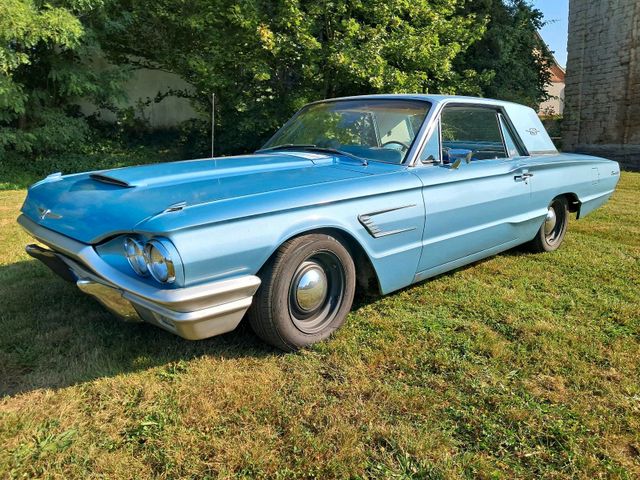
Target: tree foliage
46,52
264,59
511,57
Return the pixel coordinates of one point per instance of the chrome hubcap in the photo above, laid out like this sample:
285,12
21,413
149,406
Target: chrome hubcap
550,221
316,292
311,287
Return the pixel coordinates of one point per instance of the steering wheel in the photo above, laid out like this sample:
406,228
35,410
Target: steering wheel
404,146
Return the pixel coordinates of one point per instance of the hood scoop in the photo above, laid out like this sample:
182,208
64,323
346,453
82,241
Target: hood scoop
100,177
203,170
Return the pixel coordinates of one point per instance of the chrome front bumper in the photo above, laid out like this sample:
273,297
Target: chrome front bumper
193,313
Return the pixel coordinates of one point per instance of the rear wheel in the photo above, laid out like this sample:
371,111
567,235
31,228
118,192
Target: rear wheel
306,292
552,231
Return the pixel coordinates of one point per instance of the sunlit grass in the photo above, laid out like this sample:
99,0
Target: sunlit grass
519,366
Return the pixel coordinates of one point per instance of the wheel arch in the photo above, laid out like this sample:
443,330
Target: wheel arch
573,201
366,274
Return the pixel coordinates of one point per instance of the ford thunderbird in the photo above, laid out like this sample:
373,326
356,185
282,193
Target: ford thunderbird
375,192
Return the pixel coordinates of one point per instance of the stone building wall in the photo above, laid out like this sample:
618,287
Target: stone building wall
602,93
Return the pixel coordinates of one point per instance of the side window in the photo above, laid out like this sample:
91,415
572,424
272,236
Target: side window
431,150
512,147
472,128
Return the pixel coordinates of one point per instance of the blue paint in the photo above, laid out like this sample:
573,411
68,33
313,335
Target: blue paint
239,210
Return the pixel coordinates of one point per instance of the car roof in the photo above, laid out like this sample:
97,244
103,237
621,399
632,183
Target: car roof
525,121
433,98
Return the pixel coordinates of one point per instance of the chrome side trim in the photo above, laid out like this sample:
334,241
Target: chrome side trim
432,272
369,224
374,230
176,207
534,216
394,232
387,210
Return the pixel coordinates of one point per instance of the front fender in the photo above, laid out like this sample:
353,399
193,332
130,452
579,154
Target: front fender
242,246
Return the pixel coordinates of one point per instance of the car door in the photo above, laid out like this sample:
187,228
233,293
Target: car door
473,208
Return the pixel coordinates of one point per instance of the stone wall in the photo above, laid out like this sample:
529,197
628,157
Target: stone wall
602,93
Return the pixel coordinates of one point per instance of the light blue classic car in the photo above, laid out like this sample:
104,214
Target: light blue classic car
374,191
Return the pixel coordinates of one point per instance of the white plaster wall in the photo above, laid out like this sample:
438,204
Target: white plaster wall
143,85
555,105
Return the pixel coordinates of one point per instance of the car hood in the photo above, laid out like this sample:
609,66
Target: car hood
90,207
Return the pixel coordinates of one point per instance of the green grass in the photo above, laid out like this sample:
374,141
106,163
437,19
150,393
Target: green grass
521,366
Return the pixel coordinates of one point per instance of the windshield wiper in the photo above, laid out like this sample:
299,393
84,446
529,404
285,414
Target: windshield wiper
364,161
312,147
286,146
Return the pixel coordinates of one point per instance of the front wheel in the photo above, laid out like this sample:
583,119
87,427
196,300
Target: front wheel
306,292
552,231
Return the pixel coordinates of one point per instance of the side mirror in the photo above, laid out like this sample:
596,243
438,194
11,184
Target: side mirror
455,156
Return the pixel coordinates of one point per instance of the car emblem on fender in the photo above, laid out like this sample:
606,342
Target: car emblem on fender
533,131
47,213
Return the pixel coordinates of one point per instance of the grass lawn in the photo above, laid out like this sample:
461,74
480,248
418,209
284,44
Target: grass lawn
518,366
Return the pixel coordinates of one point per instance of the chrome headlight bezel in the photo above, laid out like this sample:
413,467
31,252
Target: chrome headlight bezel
156,257
134,253
166,272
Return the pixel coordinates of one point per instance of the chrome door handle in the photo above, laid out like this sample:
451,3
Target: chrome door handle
523,177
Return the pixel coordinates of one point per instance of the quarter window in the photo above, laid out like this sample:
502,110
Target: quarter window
431,150
512,147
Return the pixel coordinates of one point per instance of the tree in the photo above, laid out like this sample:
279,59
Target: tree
45,67
511,57
265,59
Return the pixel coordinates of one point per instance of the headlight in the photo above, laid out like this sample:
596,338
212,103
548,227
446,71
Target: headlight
134,251
159,262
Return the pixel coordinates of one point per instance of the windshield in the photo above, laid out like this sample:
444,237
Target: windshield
381,130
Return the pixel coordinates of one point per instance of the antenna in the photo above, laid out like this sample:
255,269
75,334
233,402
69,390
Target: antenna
213,118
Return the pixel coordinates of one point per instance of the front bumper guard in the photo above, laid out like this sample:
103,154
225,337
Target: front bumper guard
194,325
193,313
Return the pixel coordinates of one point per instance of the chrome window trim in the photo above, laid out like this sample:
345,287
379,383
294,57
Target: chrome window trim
496,110
413,158
438,161
522,149
411,153
507,156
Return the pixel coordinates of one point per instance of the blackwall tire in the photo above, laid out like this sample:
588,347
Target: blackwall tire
306,292
553,229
